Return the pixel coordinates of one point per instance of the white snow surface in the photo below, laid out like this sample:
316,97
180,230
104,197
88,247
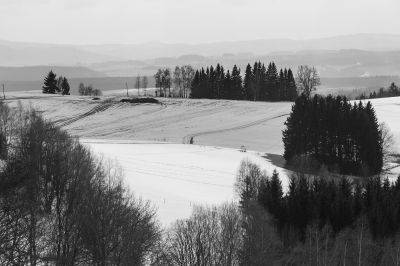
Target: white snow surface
176,176
146,140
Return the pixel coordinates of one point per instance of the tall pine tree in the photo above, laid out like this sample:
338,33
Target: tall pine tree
50,83
65,86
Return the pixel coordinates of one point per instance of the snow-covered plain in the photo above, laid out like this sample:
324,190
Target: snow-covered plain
146,140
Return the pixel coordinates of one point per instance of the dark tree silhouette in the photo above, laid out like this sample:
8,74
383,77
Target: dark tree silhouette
65,87
344,137
50,83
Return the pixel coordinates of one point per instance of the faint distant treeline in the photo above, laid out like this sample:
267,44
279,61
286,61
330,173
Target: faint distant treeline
392,91
88,90
260,83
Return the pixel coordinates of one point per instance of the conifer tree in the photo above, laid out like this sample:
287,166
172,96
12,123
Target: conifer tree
226,88
237,87
272,81
65,87
248,84
292,89
282,87
50,83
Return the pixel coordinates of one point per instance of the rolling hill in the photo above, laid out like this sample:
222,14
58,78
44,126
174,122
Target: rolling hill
148,142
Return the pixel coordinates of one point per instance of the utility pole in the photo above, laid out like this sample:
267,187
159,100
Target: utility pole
126,84
4,96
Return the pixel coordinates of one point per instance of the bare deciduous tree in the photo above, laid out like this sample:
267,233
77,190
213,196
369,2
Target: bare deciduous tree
211,236
248,180
59,206
187,73
144,84
388,142
177,79
137,84
307,79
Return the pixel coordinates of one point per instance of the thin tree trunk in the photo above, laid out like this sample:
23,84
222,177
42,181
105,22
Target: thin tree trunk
32,239
360,244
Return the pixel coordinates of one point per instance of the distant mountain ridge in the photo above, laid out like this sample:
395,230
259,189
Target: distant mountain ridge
33,73
342,63
21,54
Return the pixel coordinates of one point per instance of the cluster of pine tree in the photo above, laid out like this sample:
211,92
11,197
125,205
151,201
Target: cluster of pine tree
53,85
259,84
344,137
334,204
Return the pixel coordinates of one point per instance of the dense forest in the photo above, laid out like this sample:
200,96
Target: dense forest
318,220
260,83
344,137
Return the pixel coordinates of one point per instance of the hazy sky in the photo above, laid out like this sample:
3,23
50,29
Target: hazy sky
191,21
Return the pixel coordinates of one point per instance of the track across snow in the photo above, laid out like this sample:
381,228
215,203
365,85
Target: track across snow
101,107
188,137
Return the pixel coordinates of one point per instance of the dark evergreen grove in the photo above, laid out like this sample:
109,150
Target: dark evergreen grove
260,83
335,204
318,220
52,85
344,137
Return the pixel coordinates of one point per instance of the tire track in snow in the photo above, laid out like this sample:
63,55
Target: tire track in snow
101,107
210,132
97,109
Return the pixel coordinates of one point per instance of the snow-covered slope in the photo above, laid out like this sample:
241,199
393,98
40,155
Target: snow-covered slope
147,139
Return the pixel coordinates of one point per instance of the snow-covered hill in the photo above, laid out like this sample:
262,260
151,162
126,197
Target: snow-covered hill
149,142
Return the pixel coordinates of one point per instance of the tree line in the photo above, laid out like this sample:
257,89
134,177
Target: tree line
392,91
59,205
53,85
344,137
319,220
260,83
180,79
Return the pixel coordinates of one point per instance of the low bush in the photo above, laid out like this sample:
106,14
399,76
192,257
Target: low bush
140,100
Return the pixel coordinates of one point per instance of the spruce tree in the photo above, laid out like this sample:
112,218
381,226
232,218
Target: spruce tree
237,87
195,86
50,83
292,89
65,87
282,87
272,81
248,84
226,88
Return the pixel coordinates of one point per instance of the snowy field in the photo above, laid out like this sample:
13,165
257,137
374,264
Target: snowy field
176,176
146,140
